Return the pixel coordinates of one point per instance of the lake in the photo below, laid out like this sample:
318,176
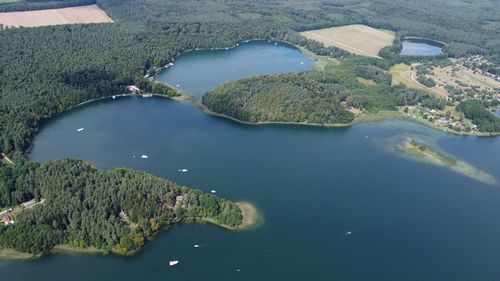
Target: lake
197,72
497,113
409,220
420,47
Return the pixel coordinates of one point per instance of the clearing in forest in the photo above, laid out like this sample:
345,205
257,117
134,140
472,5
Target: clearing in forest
71,15
402,73
356,38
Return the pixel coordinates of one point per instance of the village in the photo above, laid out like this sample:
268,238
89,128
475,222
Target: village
440,119
8,216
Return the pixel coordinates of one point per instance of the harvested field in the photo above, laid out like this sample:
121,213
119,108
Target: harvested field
358,39
71,15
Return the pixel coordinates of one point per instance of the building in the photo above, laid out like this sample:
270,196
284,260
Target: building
6,220
123,215
29,203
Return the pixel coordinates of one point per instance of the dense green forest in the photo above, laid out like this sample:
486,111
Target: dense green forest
314,97
46,70
82,205
477,112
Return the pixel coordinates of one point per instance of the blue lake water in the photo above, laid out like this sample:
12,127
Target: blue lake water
497,113
409,220
197,72
414,47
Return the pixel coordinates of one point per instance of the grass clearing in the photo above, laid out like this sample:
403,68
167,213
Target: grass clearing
402,73
356,38
366,81
71,15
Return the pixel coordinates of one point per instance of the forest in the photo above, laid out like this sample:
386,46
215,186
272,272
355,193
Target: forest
47,70
82,207
314,97
480,116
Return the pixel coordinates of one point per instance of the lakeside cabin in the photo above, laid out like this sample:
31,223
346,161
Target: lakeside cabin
133,89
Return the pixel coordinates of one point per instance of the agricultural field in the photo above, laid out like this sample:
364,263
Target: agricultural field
358,39
71,15
466,78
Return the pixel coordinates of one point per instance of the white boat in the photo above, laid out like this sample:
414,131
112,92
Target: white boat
301,62
183,170
213,191
196,245
114,97
144,156
172,263
178,85
348,233
81,129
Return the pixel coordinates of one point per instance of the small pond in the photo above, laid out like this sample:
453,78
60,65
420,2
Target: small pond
420,47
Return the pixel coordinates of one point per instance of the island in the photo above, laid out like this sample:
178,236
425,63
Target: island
76,207
420,151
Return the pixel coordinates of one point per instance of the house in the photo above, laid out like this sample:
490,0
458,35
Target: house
133,89
179,198
123,215
6,220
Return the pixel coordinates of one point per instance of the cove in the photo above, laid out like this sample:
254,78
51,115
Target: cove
420,47
409,220
197,72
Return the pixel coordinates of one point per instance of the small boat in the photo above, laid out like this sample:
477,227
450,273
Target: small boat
301,62
347,233
144,156
114,97
183,170
172,263
81,129
178,85
275,43
196,245
213,191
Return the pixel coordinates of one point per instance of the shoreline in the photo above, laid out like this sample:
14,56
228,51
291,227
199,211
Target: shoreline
362,118
250,218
